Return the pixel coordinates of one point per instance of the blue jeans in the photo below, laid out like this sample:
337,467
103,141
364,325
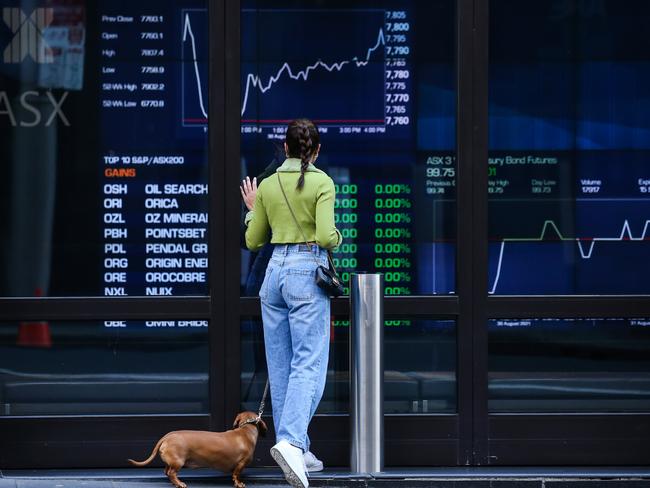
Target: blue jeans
296,317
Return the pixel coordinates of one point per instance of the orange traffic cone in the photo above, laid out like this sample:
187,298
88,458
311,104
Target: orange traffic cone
34,334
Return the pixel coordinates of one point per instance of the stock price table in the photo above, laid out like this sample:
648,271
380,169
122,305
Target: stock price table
154,158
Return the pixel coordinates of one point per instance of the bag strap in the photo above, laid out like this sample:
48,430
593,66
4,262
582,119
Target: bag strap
331,261
296,221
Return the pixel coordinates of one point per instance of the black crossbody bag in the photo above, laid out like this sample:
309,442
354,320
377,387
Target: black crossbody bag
326,277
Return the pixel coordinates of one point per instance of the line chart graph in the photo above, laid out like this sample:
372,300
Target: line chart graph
194,68
585,245
254,81
331,65
187,32
294,63
580,225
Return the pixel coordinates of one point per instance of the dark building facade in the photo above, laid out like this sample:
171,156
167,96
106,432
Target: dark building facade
491,159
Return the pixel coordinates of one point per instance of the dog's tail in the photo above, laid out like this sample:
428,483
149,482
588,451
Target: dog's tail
150,458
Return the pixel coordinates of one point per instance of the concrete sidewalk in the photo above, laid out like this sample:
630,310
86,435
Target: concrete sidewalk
454,477
154,478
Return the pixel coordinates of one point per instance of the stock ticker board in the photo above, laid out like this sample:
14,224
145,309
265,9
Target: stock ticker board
569,201
379,80
358,87
153,56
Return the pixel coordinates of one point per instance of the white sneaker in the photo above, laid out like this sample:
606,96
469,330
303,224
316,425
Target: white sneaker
312,463
290,459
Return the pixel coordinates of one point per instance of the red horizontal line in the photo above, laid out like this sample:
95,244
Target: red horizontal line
286,121
567,239
277,121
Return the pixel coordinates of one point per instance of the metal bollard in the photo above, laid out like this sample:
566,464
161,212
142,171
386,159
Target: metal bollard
367,372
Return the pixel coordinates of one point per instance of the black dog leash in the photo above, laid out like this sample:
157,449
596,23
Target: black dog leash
261,409
266,391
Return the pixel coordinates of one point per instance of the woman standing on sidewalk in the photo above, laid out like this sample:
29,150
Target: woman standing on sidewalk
295,311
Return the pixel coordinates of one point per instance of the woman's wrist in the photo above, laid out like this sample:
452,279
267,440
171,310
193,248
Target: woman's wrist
248,217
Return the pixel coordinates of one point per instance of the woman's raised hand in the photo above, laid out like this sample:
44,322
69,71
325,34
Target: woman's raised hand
248,190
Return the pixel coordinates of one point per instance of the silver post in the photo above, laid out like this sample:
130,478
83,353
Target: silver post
367,372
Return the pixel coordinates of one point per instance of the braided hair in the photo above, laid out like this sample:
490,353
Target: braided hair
302,140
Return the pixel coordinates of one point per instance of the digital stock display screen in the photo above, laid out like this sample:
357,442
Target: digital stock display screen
568,165
153,89
394,184
378,79
378,89
104,140
569,162
123,169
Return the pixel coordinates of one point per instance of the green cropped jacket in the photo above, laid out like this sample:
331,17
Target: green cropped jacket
313,206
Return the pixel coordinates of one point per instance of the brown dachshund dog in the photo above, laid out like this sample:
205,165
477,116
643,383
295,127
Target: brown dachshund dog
229,451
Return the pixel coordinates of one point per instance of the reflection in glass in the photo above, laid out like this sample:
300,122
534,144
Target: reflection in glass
381,87
569,365
569,185
419,362
112,367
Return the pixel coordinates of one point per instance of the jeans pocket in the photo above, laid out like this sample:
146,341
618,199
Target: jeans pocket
300,284
264,289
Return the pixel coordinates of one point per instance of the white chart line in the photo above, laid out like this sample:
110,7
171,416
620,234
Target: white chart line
187,29
625,231
253,81
496,279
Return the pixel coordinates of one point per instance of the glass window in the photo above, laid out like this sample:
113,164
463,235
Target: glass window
569,365
569,168
111,367
103,148
378,79
419,364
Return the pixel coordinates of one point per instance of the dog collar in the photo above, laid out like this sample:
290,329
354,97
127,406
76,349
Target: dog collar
255,421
